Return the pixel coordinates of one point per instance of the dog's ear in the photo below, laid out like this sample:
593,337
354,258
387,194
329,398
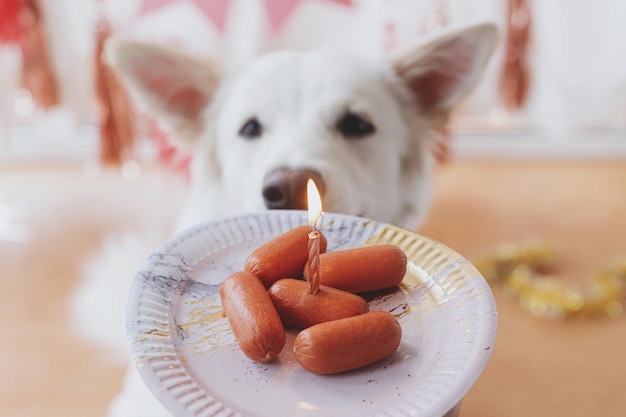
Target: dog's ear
444,69
174,87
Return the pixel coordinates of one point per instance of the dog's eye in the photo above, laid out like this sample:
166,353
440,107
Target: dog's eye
353,126
251,129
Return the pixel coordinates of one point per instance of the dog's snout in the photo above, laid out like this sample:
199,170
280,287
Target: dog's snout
285,188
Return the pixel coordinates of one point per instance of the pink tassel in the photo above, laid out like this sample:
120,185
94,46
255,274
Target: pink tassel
37,74
515,76
10,21
116,115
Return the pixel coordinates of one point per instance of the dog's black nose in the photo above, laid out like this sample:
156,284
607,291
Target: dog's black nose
285,188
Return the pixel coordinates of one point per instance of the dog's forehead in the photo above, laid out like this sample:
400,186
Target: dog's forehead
312,71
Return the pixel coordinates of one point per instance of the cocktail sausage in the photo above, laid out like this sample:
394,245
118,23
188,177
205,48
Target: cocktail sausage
283,256
252,316
299,308
346,344
364,269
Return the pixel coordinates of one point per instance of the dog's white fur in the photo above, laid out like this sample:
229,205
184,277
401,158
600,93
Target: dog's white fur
298,98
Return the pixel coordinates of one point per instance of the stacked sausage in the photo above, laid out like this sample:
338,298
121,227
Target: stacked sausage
338,332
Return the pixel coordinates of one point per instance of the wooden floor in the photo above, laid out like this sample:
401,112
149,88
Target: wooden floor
53,216
540,367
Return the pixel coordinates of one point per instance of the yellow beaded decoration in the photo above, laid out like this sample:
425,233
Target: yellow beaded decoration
520,269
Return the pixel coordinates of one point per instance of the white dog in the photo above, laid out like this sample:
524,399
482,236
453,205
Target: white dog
359,127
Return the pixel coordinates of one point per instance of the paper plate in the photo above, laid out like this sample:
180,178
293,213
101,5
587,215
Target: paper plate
185,351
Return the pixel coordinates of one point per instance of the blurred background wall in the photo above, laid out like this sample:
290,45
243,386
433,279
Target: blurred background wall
565,57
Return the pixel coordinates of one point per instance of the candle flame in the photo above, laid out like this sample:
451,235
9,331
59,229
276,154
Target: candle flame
314,202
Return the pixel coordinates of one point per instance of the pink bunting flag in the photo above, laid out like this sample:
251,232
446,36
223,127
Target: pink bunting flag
215,10
150,5
279,11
